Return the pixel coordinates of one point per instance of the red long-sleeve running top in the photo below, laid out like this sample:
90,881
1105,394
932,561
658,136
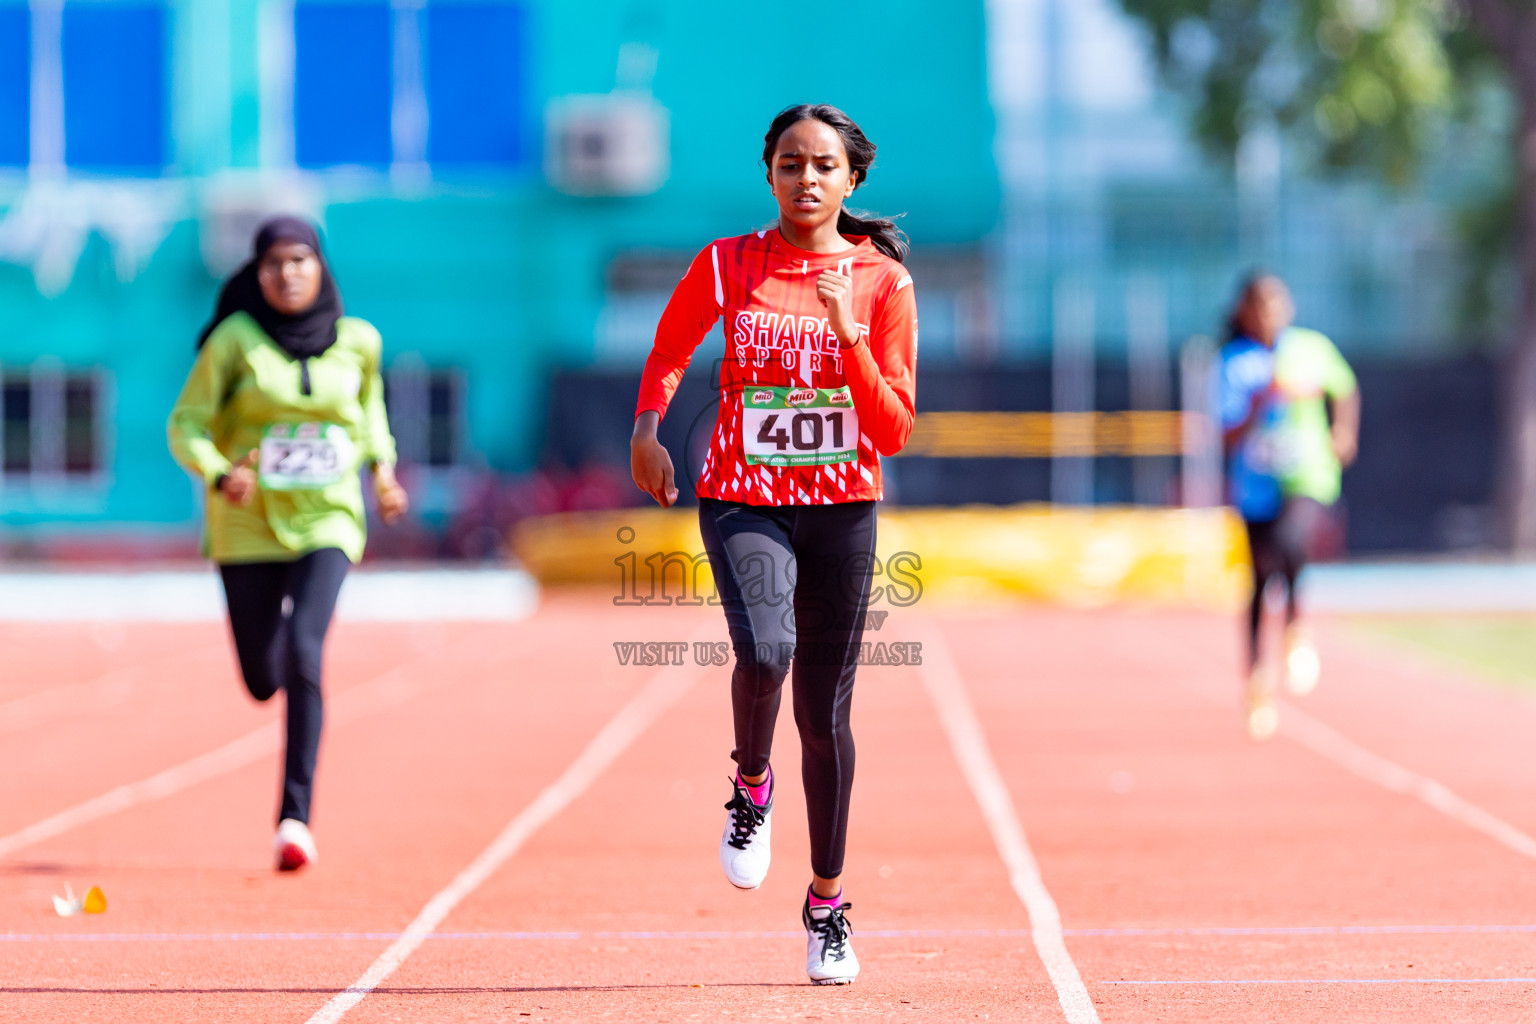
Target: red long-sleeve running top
784,434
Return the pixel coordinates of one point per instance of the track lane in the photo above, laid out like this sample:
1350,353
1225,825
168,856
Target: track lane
638,855
180,706
1212,831
1209,828
1419,712
404,796
40,655
665,687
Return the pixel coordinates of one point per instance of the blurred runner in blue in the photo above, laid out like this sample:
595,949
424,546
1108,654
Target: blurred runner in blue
1290,417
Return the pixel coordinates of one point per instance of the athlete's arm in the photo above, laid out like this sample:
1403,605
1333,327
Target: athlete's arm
1246,384
393,501
378,442
1343,392
879,363
1233,435
690,313
649,462
1346,427
189,429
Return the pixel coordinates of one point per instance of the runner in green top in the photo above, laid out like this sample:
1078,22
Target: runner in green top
1290,412
281,409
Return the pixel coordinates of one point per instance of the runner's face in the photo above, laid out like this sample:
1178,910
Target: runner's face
1267,310
810,176
289,275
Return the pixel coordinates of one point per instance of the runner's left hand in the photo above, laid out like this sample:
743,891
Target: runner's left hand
393,501
836,293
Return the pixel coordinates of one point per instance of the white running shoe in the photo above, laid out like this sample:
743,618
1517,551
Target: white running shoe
293,845
744,847
1302,665
1261,713
829,958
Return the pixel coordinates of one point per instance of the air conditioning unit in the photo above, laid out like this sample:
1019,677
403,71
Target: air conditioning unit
607,145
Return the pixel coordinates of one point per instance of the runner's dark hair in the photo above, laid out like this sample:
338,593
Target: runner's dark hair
882,231
1245,287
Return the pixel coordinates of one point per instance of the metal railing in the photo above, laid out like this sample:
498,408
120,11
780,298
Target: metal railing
1036,435
1189,434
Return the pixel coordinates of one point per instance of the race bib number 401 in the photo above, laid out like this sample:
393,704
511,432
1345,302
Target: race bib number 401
304,456
799,426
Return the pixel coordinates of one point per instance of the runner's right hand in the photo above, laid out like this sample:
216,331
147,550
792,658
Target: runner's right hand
649,462
240,482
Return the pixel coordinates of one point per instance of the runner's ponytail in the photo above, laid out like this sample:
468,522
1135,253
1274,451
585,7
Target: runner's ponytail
882,231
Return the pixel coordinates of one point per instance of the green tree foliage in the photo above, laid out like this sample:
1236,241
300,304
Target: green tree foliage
1359,83
1372,84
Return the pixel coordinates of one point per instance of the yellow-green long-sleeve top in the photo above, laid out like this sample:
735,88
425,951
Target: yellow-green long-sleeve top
243,388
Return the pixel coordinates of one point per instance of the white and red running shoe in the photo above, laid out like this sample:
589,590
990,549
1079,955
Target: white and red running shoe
293,845
829,958
1302,666
1261,710
744,846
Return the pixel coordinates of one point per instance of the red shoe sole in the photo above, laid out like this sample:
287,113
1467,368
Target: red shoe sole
291,858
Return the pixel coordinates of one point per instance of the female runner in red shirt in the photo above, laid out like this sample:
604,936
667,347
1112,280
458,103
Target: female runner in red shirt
817,384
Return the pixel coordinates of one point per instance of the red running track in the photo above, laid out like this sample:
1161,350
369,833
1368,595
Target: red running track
1199,877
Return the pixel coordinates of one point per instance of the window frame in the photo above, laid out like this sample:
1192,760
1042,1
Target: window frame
410,381
58,477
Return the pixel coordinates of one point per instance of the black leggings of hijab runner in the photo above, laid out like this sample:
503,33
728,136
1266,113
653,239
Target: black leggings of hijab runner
281,650
1281,547
794,580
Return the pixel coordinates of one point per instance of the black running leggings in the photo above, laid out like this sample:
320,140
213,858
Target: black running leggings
1281,547
280,649
794,580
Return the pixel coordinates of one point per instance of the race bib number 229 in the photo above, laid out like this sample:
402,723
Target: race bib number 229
799,426
304,456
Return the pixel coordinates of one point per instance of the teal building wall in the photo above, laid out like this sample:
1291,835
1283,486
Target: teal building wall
491,272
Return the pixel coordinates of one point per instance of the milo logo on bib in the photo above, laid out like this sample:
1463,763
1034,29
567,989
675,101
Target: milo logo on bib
799,427
305,456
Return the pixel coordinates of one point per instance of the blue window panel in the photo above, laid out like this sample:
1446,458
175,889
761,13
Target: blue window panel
343,84
115,87
15,85
477,84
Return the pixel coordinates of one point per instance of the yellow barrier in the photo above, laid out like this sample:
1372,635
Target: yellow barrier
1034,435
1082,557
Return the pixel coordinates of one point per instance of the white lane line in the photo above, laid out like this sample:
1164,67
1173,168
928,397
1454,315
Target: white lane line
93,696
368,698
90,697
613,739
413,595
731,936
969,743
1334,746
1345,752
235,754
866,932
1335,981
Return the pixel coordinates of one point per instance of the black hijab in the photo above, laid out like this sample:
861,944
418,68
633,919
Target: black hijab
302,336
